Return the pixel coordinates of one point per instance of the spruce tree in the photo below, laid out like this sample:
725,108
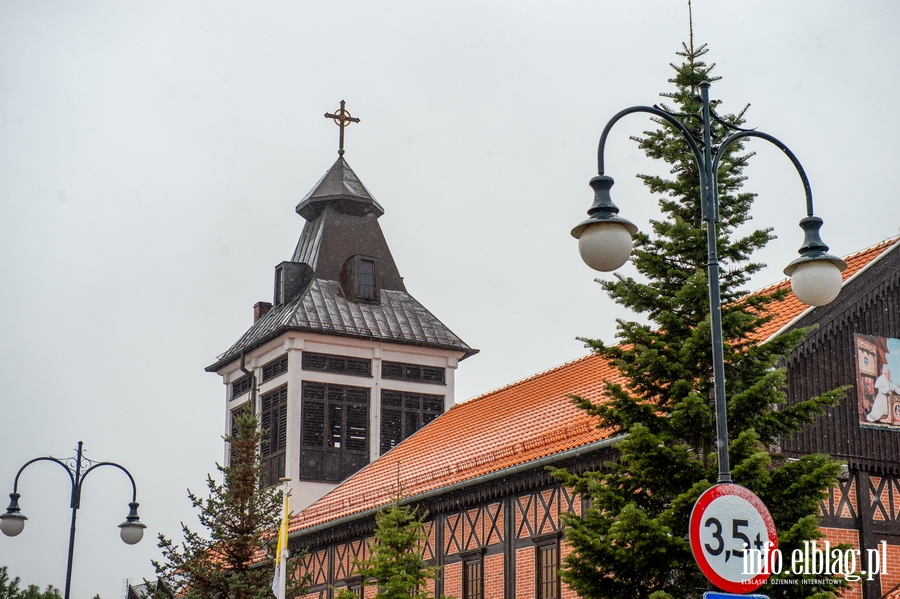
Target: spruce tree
9,588
241,518
632,541
396,565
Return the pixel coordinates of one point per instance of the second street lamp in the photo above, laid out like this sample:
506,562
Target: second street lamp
13,521
604,240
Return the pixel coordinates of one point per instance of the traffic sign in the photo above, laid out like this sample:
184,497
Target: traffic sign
732,537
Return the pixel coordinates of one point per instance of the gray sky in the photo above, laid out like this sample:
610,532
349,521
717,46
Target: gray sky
152,153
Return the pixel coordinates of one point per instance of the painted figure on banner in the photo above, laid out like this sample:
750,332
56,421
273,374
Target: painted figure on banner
878,394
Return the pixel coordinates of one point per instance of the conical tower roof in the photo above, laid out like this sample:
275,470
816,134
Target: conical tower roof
341,189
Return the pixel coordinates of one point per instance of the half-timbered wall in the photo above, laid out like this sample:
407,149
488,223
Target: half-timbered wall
503,534
863,511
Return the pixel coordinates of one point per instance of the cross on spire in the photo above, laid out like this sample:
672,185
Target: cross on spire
341,118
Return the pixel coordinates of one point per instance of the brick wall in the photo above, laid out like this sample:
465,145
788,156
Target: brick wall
850,537
891,579
525,575
493,577
564,550
453,579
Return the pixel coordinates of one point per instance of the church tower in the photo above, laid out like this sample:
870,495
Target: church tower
344,363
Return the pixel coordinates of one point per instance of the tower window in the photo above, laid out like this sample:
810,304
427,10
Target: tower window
235,414
334,431
416,373
274,368
337,364
403,413
240,386
273,422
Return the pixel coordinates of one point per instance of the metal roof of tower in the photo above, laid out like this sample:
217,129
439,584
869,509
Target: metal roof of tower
342,222
342,189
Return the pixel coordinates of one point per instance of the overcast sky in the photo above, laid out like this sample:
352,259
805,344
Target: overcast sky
152,154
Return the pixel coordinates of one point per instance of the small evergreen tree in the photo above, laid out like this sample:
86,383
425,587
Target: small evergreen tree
632,543
34,592
241,518
395,564
9,587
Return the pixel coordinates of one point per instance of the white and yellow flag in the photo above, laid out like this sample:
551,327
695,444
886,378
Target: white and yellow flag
281,552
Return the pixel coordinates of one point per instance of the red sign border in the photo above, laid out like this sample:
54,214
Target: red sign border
697,512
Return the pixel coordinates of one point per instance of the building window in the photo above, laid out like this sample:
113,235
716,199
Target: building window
235,414
274,368
416,373
403,413
355,586
241,386
367,289
473,577
547,569
337,364
334,431
273,424
359,279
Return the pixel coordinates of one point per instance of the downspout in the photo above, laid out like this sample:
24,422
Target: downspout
490,476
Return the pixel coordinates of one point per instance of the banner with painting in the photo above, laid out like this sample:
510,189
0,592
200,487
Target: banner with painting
878,393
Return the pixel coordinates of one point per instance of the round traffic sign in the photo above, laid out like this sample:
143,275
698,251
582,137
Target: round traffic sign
732,537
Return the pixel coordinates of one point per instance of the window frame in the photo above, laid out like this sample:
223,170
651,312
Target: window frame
426,374
241,385
331,364
421,413
317,439
548,544
234,414
472,559
274,368
273,414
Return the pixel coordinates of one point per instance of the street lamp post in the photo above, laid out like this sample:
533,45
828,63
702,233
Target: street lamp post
604,241
13,521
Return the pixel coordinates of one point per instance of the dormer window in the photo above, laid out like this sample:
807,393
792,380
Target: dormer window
366,279
359,278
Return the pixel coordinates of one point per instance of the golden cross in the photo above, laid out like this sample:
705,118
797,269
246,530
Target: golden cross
341,118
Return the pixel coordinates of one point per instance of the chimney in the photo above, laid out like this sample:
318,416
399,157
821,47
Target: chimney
260,309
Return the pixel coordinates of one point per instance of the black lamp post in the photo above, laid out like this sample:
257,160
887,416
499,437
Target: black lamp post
604,241
13,521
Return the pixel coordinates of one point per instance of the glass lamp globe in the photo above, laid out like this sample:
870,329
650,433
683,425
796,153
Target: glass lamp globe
816,282
132,532
12,524
605,246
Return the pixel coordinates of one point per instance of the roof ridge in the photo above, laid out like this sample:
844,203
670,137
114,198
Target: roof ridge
523,380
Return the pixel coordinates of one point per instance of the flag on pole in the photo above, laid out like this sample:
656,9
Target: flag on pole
281,551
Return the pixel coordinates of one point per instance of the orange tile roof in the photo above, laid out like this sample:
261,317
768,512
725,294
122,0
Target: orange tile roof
522,422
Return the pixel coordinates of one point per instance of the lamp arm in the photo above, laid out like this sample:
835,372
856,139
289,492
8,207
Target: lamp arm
698,155
47,459
120,467
776,142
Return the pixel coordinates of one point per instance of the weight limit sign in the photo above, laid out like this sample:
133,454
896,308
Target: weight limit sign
732,535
